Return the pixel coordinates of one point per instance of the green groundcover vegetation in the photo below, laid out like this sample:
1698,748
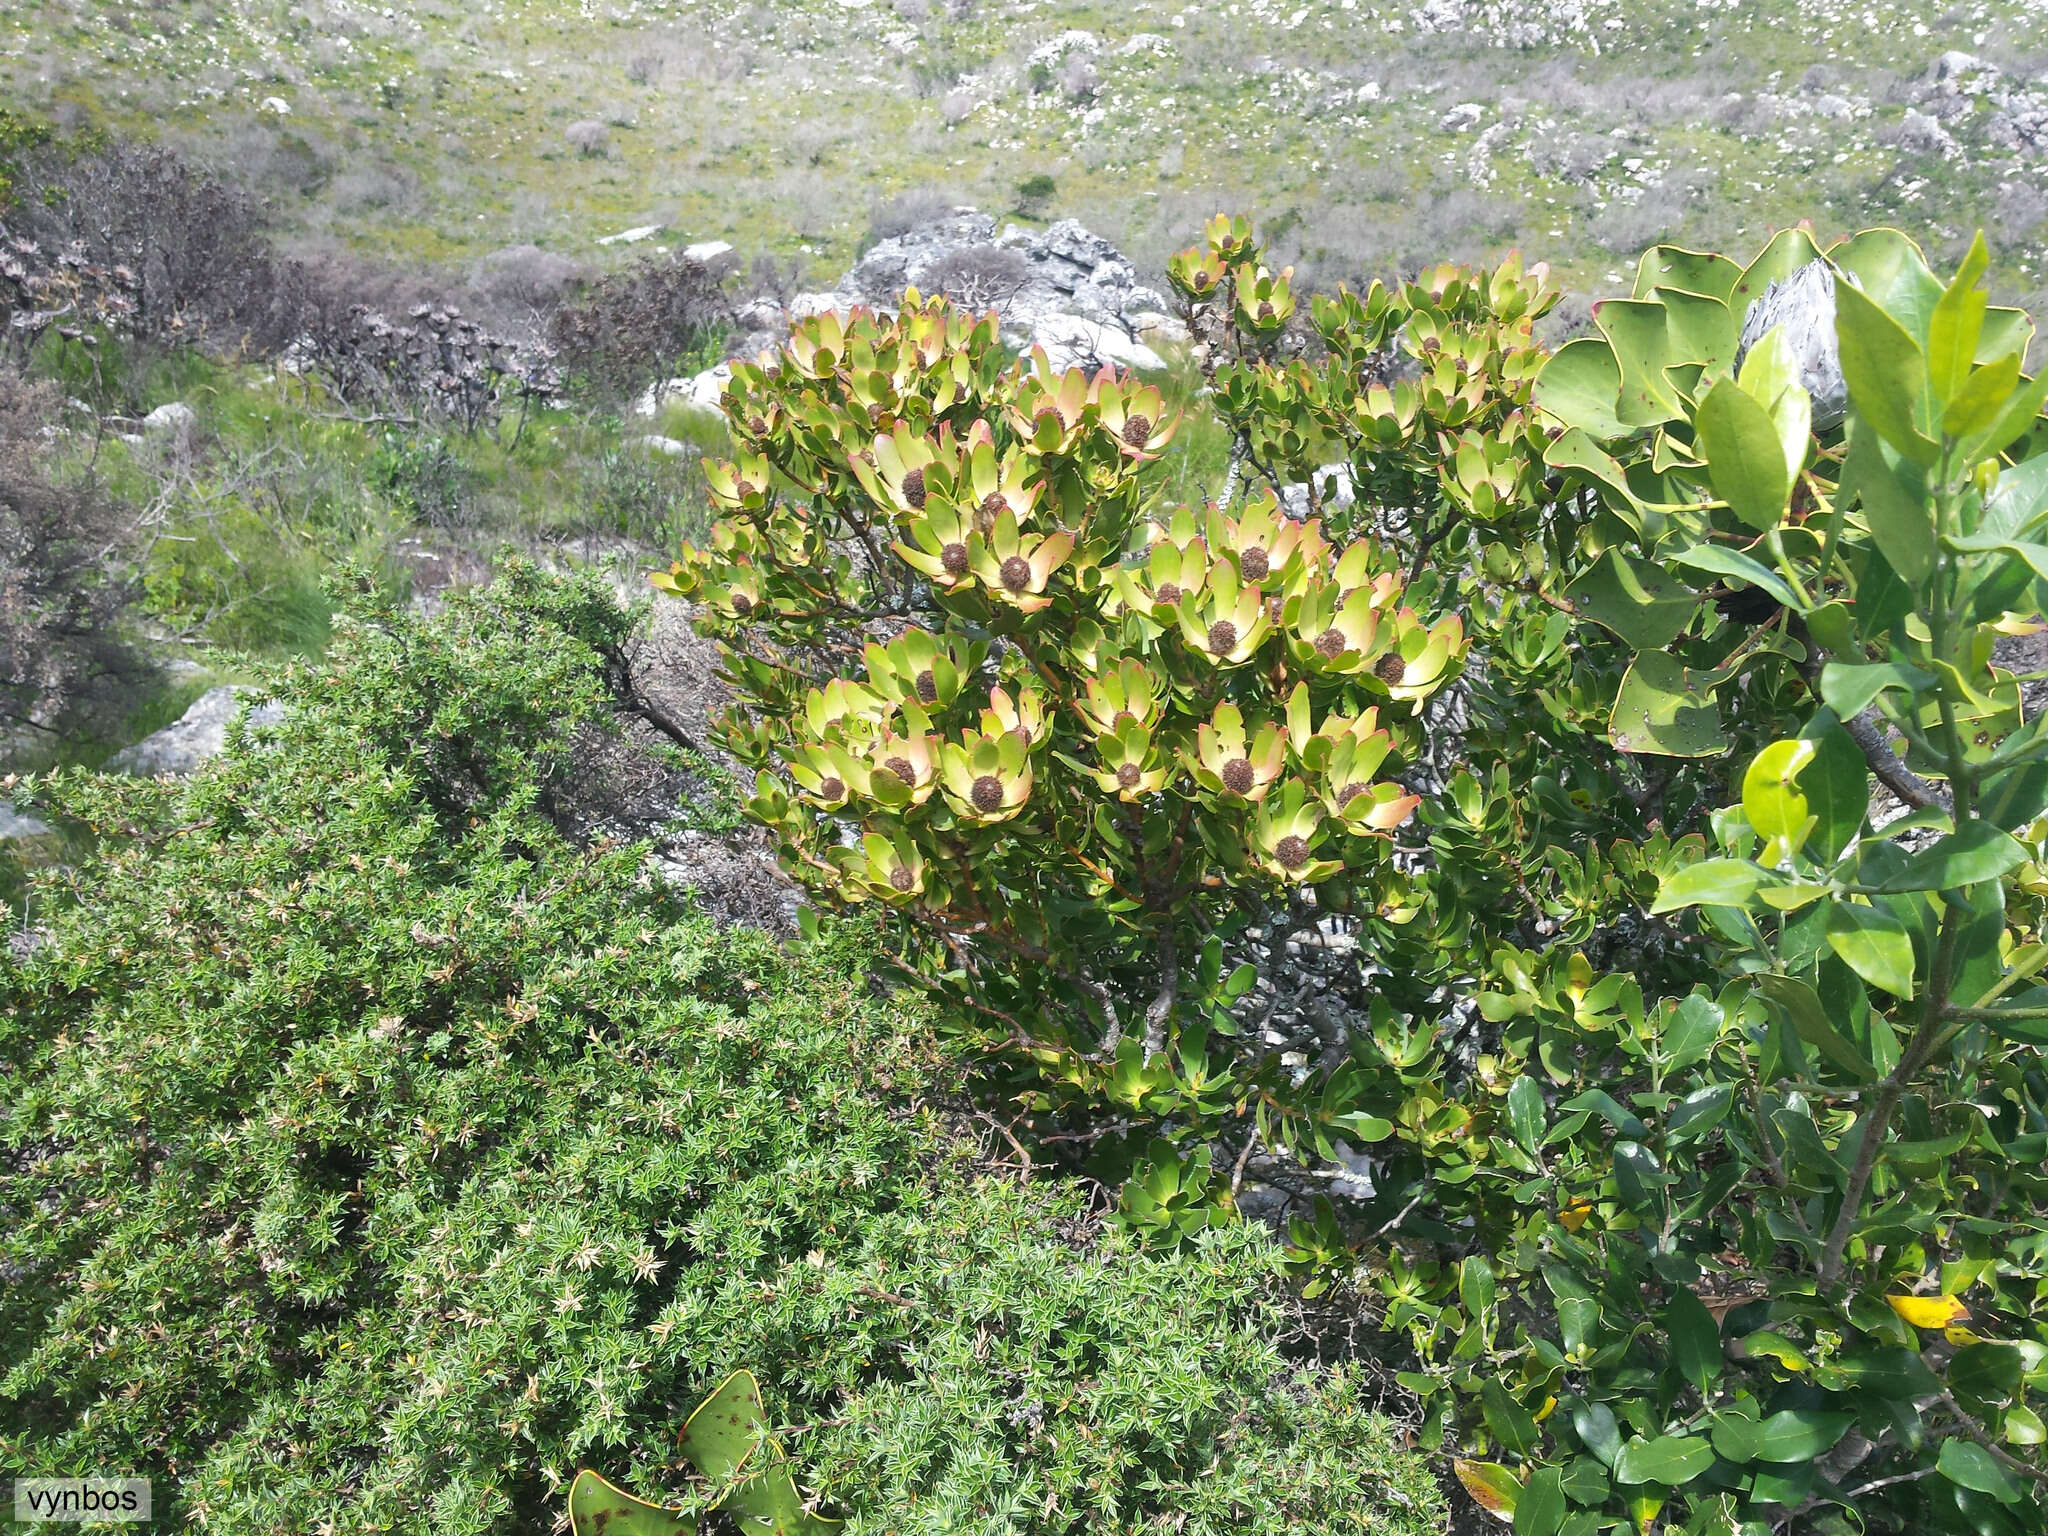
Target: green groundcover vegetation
371,1158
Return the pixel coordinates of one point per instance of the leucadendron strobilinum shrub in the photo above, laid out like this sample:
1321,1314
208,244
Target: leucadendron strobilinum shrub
1463,826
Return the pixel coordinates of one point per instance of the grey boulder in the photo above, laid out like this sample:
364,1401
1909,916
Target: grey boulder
197,736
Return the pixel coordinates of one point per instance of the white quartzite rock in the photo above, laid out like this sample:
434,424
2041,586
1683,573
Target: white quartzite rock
199,734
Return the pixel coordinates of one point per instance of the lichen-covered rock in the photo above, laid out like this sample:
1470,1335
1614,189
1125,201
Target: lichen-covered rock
197,736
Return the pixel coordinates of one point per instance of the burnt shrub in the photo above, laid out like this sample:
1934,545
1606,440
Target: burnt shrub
634,325
67,670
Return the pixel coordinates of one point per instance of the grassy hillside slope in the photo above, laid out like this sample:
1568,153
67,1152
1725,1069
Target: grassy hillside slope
1366,133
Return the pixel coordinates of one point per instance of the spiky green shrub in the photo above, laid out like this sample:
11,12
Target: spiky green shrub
371,1158
1681,1100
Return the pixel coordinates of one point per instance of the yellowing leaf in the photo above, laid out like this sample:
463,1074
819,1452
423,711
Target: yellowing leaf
1929,1311
1493,1487
1574,1215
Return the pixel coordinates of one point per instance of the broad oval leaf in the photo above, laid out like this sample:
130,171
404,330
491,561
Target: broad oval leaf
1771,799
1849,689
1711,882
1799,1434
1874,944
600,1508
1745,460
1969,1464
1976,851
1525,1112
1541,1509
1493,1487
1668,1459
1885,370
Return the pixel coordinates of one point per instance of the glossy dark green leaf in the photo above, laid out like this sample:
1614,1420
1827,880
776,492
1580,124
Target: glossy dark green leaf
1800,1007
1711,882
1600,1102
1638,1177
1510,1422
1720,560
1883,599
1967,1463
1585,1480
1663,709
1896,504
1986,1375
2015,797
1745,459
1800,1434
1836,783
1889,1373
1689,1035
1695,1340
1597,1428
1976,852
1848,688
1669,1459
1541,1509
1525,1112
1699,1112
1475,1285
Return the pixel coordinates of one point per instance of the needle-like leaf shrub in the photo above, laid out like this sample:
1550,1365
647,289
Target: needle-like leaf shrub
371,1158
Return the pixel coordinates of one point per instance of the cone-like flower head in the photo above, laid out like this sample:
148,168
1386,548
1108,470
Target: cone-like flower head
1421,659
890,870
1226,623
736,593
1284,835
908,471
1127,763
1264,544
1171,575
841,709
917,669
1022,717
1225,762
1015,567
987,779
1330,631
941,545
828,775
992,487
741,486
903,769
1129,694
1350,794
1135,415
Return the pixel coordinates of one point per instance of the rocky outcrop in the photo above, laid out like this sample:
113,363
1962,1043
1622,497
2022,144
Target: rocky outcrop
197,736
1066,274
1064,289
1963,97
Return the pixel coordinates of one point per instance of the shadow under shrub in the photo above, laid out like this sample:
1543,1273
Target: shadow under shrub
371,1157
